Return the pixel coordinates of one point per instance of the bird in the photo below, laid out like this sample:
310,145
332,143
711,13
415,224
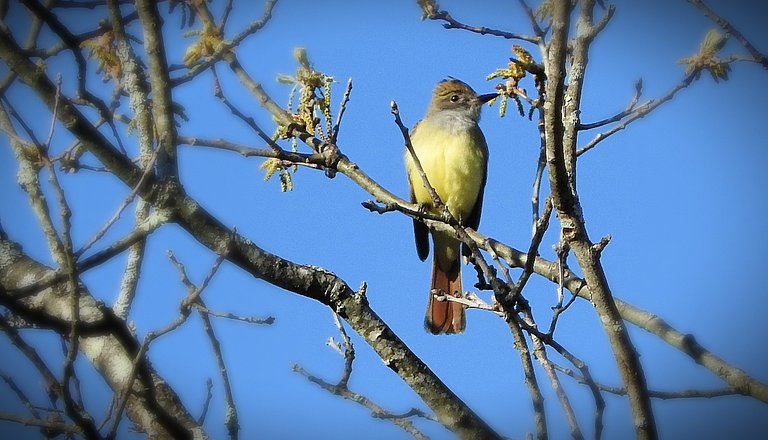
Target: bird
453,153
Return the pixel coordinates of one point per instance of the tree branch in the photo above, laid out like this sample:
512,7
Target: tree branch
341,388
725,25
639,112
561,122
104,339
431,11
162,101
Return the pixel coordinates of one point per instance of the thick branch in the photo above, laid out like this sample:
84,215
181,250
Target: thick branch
134,80
561,124
162,102
103,339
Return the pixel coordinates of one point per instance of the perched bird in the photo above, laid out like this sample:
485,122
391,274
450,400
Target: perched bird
454,155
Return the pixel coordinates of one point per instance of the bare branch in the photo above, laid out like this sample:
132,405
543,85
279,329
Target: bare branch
247,119
314,160
436,202
640,112
561,120
619,116
30,158
347,350
103,337
162,104
541,34
540,227
225,16
192,297
247,319
540,353
20,394
134,83
52,386
432,12
52,428
206,404
230,418
521,346
663,395
226,47
340,113
123,205
725,25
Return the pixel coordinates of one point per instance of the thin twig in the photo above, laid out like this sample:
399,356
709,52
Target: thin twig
663,395
347,350
576,362
314,160
530,377
432,12
436,202
640,112
225,16
52,385
471,301
184,311
48,140
53,428
540,353
94,260
20,395
621,115
123,205
226,47
729,29
539,228
340,113
230,418
269,320
24,126
542,162
217,92
66,260
541,34
561,249
207,402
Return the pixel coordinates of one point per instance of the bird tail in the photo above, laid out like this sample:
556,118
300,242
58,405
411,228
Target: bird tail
445,316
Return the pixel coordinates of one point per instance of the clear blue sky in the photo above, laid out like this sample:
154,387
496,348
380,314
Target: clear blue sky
682,193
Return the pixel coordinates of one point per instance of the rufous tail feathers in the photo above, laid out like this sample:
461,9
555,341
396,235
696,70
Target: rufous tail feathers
445,316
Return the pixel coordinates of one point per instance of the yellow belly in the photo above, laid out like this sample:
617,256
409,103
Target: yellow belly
454,163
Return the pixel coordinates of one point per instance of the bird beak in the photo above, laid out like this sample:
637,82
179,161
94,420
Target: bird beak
487,97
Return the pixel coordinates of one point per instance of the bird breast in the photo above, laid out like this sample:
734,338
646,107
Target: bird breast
453,159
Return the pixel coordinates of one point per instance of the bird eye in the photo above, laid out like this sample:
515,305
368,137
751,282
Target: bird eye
454,98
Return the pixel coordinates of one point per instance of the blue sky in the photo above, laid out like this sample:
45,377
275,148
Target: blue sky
681,193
